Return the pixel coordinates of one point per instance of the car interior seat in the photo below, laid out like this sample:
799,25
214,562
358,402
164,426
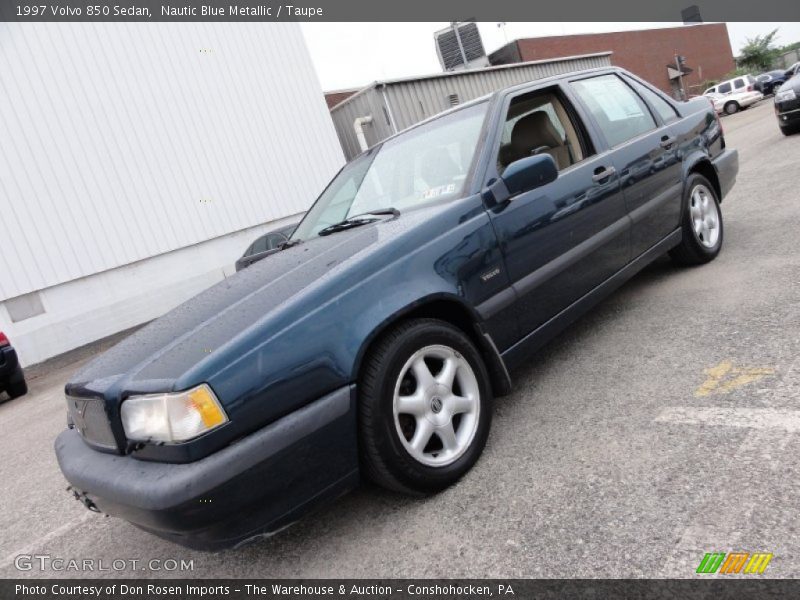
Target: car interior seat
535,134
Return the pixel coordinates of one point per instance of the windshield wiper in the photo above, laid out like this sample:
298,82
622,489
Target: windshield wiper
358,220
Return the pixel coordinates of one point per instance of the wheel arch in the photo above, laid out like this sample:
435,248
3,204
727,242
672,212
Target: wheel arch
457,313
702,166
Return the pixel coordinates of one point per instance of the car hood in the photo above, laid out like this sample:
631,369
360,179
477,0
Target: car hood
250,305
154,357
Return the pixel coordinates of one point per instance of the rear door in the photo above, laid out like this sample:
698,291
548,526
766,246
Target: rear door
638,126
560,240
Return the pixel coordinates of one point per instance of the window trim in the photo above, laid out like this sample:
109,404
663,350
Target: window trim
659,94
588,146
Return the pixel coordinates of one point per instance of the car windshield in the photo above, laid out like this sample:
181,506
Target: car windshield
426,164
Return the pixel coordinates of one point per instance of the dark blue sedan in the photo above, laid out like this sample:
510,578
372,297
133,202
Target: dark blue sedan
372,345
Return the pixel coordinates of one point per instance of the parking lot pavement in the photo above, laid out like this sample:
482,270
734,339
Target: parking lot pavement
663,425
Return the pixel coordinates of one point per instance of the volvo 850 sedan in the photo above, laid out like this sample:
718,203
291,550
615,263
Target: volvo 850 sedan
372,345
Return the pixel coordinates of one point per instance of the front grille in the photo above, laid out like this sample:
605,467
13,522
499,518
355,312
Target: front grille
88,415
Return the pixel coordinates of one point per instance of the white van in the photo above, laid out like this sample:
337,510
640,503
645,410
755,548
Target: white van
734,94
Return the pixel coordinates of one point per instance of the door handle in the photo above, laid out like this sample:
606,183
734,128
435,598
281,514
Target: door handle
605,173
667,141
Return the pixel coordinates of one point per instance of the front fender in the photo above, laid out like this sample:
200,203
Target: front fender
312,344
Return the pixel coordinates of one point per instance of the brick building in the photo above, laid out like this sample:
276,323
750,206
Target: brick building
333,97
645,52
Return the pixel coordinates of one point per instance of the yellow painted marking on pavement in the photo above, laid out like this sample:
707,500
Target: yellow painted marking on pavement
724,378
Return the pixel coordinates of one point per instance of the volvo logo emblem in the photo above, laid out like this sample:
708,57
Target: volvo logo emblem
436,404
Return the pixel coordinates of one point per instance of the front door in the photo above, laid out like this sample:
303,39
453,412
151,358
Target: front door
563,239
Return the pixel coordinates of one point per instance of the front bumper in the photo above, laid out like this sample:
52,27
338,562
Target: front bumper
727,166
788,117
253,487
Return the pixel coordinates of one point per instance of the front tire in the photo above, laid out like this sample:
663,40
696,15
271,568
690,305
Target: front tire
424,407
701,224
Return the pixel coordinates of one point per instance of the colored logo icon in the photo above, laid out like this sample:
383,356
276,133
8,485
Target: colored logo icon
734,562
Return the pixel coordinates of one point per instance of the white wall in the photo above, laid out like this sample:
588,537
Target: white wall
138,161
87,309
124,141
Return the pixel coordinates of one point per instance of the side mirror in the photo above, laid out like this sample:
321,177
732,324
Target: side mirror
521,176
527,174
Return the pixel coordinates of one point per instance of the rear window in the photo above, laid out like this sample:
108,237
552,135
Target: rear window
738,83
661,106
619,112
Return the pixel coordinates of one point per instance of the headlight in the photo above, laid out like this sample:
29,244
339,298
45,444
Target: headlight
785,95
174,417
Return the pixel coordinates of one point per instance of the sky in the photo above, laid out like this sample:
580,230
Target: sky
348,55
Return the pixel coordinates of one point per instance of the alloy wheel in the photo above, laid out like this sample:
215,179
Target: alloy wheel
705,216
436,405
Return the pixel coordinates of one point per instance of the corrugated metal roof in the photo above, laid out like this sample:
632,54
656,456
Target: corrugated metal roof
396,104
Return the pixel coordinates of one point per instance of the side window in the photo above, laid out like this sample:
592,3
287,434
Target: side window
260,245
738,83
665,110
540,123
724,88
274,240
711,90
619,112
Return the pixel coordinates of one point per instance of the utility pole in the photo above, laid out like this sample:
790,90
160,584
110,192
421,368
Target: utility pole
679,62
502,26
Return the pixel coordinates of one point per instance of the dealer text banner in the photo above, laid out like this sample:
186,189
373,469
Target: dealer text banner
400,589
409,10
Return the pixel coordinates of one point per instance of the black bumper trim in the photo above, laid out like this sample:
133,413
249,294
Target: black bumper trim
727,167
152,486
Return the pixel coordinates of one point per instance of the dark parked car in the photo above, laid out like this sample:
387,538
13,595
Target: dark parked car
267,244
787,106
12,378
374,345
767,83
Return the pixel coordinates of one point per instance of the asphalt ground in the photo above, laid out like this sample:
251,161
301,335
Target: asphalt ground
661,426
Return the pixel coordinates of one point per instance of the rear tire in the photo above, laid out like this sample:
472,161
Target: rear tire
17,387
424,407
790,129
701,224
731,108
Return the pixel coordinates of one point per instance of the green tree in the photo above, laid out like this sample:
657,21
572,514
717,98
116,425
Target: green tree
759,53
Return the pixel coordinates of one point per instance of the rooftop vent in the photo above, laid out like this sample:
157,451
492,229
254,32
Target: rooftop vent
460,47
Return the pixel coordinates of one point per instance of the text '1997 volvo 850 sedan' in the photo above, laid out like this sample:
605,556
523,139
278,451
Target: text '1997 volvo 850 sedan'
374,342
